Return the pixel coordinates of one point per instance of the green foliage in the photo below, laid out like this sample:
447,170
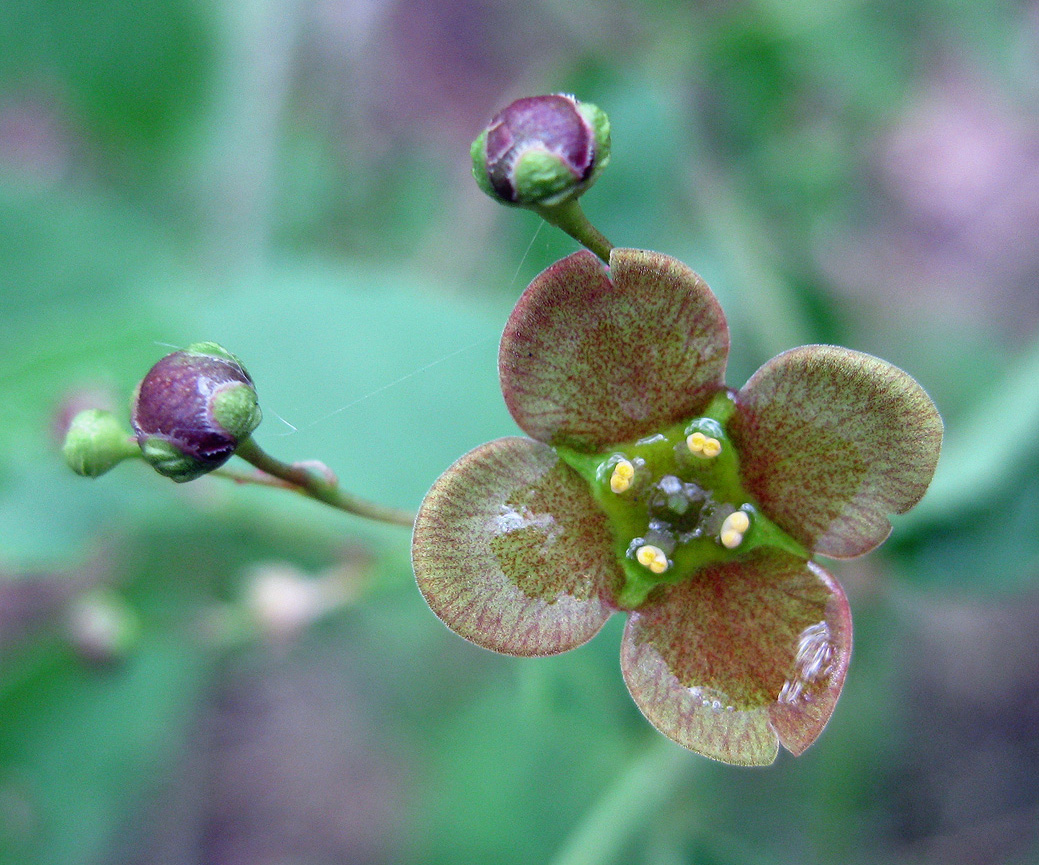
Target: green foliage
132,73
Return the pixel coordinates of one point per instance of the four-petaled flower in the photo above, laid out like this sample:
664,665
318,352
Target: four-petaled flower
647,486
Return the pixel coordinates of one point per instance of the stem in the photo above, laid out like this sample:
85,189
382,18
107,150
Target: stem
257,478
257,46
626,806
571,219
310,481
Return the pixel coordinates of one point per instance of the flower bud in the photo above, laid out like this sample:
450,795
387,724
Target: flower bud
192,410
95,442
542,151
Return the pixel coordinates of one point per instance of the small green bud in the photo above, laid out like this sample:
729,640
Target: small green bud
192,410
95,442
542,151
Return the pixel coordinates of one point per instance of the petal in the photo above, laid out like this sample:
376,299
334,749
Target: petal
831,441
511,552
586,362
741,657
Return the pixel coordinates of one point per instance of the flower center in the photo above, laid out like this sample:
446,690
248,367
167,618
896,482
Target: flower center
675,503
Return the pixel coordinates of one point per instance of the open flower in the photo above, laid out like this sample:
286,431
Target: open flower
647,486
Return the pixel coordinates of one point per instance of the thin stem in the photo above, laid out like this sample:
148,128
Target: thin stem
310,480
627,805
571,219
257,478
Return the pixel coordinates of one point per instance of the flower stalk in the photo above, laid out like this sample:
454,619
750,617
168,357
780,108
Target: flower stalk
569,217
316,481
193,411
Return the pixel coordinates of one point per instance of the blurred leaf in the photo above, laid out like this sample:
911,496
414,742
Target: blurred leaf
64,248
131,70
510,778
85,745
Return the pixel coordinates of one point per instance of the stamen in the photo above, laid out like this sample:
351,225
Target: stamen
733,529
622,475
653,558
703,446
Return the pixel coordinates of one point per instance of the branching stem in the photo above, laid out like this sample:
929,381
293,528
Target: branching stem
315,481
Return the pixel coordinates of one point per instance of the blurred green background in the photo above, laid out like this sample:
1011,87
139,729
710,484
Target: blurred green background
218,675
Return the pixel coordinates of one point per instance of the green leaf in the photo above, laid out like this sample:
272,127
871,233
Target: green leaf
831,442
511,552
586,362
744,656
85,746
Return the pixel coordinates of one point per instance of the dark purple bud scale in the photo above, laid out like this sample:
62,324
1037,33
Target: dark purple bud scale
551,123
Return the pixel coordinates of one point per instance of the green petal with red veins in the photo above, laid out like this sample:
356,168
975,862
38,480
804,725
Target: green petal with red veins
743,656
589,359
831,441
512,553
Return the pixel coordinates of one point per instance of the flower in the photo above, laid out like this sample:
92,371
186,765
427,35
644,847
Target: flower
648,487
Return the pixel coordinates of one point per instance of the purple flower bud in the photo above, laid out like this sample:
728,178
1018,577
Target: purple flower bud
541,151
192,410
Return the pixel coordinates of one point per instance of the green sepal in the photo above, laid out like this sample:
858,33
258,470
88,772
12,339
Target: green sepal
237,410
211,349
542,179
600,123
478,152
168,460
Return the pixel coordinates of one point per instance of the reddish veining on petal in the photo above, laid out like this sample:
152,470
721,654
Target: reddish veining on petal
511,552
587,362
740,657
831,441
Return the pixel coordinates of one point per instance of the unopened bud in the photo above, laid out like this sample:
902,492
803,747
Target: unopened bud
542,151
192,410
95,442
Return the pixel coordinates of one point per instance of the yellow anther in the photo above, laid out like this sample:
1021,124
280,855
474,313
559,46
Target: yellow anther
737,520
703,446
653,558
733,529
623,472
712,447
730,539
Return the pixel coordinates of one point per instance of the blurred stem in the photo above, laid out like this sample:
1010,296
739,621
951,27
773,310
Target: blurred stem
984,451
236,186
627,805
570,218
317,483
768,302
735,227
